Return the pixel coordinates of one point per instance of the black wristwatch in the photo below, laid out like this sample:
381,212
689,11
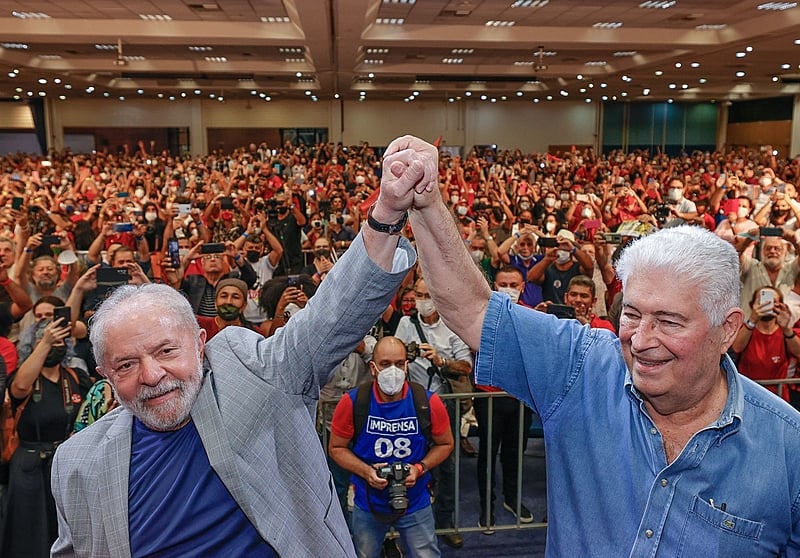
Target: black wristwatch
394,228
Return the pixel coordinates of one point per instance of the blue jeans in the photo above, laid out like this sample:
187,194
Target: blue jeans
417,534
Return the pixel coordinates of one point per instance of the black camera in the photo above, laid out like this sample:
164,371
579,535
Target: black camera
272,209
662,213
396,474
412,351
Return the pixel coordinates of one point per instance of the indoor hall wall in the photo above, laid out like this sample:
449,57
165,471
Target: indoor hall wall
512,124
379,122
532,127
509,124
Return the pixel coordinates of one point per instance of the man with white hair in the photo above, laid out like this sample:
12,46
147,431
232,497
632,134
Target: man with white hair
213,451
655,445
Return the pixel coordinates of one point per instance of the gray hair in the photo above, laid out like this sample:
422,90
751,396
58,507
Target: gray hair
172,307
693,254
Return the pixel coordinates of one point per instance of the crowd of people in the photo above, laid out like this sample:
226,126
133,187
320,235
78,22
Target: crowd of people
247,240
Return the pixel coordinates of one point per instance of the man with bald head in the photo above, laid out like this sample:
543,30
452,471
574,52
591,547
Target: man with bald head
391,436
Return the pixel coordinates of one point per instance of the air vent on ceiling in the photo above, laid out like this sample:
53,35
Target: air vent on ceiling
205,7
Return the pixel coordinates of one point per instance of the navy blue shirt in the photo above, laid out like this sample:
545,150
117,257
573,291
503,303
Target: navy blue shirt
177,504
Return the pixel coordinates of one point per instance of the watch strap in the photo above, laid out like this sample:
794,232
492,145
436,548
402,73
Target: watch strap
394,228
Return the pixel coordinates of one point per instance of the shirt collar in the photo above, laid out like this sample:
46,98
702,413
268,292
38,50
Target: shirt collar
734,405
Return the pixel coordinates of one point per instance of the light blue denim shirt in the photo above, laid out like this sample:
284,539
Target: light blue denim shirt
734,491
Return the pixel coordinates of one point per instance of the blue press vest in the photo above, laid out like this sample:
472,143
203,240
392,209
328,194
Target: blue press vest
391,434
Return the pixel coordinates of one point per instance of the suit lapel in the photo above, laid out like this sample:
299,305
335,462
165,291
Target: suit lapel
208,421
116,458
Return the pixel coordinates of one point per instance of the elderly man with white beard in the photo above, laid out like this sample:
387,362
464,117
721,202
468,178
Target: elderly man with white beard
771,269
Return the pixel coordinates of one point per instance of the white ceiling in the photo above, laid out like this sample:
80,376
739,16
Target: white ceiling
330,44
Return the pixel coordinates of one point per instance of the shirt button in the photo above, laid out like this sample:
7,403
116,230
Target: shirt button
649,533
664,482
654,430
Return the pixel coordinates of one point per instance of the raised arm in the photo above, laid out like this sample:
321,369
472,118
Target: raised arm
443,256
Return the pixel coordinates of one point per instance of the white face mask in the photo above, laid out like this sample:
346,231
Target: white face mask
462,210
454,199
510,291
674,194
139,193
524,206
549,202
587,213
765,181
477,255
743,212
182,252
563,257
360,179
425,307
391,380
550,226
150,216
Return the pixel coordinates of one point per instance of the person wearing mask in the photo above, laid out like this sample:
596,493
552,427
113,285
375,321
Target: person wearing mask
409,455
506,431
682,210
49,396
231,300
524,258
443,364
252,243
766,341
559,265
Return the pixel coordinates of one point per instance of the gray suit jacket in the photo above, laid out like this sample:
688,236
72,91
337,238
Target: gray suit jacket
254,415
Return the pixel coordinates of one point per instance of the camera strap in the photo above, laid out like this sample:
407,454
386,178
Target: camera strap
433,370
380,516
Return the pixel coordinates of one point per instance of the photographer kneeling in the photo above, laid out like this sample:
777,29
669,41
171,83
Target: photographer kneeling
389,433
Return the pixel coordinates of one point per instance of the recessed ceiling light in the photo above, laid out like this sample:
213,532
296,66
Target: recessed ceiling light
105,46
777,6
390,21
50,56
15,46
274,19
530,3
290,50
374,61
500,23
663,4
645,91
595,63
678,65
462,51
741,54
673,85
200,48
695,64
607,25
155,17
659,72
377,51
524,63
42,81
30,15
519,93
786,66
748,49
702,80
621,53
775,78
452,60
740,74
468,93
711,26
219,59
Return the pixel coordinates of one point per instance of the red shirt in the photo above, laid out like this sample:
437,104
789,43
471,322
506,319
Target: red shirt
342,422
212,328
600,323
766,358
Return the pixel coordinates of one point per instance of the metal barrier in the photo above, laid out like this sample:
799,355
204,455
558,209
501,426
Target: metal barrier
490,463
